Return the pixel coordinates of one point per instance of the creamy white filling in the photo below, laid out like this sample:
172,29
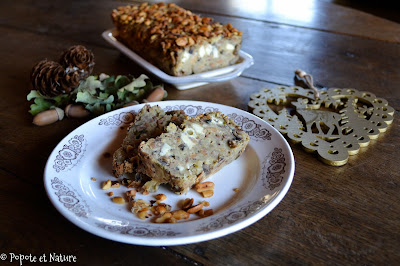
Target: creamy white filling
165,149
215,52
209,49
185,57
198,128
185,138
229,47
180,168
218,121
202,51
206,49
190,132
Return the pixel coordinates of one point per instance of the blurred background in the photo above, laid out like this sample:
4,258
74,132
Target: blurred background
385,9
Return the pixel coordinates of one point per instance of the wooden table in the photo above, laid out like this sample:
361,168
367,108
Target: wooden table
331,215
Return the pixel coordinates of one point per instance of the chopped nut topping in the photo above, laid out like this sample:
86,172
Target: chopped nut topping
164,217
181,41
158,210
110,193
201,187
207,193
196,208
119,200
93,179
131,194
169,25
115,184
143,214
107,185
205,213
161,197
139,205
187,203
205,203
180,214
171,220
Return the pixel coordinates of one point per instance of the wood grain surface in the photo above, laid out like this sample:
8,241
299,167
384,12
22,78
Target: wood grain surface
331,215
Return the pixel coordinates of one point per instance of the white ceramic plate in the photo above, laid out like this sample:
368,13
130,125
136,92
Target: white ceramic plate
185,82
263,175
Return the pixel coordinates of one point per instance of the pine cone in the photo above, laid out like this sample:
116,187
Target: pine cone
79,60
50,79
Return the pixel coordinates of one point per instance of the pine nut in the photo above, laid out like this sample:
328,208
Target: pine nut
204,186
196,208
171,220
119,200
207,193
208,212
115,184
158,210
206,203
161,197
205,213
180,214
131,193
143,214
107,185
163,218
187,203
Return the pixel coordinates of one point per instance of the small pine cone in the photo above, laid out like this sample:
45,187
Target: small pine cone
79,60
49,78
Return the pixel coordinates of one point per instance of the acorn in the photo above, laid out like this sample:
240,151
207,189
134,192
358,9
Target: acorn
48,117
156,95
76,111
131,103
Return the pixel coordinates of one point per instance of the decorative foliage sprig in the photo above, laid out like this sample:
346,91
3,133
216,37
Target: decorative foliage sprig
98,94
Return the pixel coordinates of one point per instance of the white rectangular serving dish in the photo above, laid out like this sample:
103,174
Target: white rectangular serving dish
184,82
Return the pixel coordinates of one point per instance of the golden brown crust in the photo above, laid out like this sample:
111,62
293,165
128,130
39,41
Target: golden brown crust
171,38
170,25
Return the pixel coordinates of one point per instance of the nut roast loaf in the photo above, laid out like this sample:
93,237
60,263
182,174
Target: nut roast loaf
175,40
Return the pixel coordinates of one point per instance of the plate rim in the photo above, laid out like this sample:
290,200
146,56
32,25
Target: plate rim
177,240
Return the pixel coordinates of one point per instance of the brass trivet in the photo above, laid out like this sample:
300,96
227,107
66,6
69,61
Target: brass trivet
334,125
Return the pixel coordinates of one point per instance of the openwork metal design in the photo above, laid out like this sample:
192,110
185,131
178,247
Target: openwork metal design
334,126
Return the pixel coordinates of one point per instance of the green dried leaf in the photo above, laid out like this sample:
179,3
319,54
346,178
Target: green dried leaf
121,81
86,97
95,108
40,105
136,83
90,84
33,94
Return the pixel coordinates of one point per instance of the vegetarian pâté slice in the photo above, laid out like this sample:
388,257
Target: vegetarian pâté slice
150,122
187,154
